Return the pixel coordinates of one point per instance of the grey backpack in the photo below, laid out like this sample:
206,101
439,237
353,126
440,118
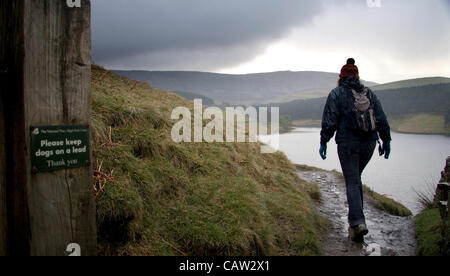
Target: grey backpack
364,111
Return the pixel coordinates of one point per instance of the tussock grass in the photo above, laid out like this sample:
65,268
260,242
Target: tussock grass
387,204
428,233
314,192
304,167
426,197
189,198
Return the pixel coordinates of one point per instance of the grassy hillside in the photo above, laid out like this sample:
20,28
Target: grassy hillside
302,95
157,197
411,83
428,233
425,123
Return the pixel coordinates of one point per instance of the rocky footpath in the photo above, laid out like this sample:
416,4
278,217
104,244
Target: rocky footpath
388,235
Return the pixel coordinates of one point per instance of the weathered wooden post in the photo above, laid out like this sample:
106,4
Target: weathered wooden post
443,197
46,197
3,219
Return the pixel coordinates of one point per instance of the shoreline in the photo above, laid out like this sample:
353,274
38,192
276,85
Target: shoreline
392,130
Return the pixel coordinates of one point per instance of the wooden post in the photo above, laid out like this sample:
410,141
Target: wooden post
3,219
46,54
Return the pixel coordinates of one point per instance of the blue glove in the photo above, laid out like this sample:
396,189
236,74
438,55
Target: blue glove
323,152
387,149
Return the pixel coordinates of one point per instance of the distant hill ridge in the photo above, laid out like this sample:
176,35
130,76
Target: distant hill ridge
411,83
241,89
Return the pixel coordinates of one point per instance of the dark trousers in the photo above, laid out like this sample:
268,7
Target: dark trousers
354,157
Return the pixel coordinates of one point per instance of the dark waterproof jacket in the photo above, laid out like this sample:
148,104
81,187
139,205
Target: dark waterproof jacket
338,116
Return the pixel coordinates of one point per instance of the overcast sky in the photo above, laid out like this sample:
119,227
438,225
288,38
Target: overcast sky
401,39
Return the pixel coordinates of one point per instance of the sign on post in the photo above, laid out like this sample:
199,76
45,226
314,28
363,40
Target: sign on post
59,147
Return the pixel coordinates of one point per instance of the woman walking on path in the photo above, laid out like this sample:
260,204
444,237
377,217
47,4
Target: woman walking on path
356,115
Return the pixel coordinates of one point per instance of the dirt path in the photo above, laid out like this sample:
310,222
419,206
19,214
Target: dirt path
388,235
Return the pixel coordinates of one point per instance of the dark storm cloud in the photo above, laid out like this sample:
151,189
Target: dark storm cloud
204,33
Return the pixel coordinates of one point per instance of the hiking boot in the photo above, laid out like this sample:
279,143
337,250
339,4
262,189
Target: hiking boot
358,232
361,230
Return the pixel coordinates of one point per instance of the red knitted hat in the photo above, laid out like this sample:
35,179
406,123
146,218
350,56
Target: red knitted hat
350,69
